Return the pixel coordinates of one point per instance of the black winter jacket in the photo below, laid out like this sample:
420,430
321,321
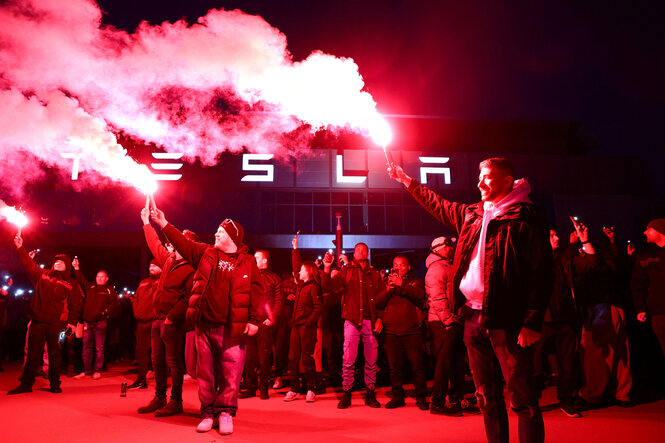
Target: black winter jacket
518,259
308,305
101,301
400,307
358,282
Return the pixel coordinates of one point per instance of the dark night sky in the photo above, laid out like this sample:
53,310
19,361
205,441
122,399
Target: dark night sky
602,63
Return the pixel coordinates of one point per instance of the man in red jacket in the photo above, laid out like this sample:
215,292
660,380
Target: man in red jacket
55,306
224,307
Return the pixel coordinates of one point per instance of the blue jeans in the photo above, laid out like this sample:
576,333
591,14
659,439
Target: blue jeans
94,336
220,360
167,342
492,352
352,334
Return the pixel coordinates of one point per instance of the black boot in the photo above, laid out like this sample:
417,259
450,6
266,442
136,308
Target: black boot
263,390
249,393
345,401
20,389
421,402
396,402
370,398
320,384
55,387
155,404
173,407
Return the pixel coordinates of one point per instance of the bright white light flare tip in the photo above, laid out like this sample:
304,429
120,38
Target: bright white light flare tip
380,132
14,216
146,183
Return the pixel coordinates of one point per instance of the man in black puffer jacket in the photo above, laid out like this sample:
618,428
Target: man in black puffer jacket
224,307
55,306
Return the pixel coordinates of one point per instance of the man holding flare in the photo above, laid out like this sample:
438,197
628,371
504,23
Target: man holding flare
501,283
224,307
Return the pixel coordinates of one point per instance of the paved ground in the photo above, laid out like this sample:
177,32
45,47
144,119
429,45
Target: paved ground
92,410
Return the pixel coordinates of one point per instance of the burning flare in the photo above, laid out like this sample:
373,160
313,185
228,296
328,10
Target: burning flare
12,215
68,84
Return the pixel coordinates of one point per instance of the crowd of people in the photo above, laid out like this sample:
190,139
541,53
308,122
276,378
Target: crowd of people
495,301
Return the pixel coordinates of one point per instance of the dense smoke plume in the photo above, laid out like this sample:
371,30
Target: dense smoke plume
69,85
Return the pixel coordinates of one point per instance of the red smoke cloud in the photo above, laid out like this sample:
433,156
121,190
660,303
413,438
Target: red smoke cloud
226,82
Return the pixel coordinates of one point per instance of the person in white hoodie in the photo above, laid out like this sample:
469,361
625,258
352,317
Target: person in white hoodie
501,283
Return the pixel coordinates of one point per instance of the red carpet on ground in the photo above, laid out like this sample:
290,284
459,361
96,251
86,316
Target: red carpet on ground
93,411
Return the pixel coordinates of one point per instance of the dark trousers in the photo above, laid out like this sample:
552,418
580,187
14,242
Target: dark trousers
605,355
72,348
491,353
282,339
94,339
190,353
448,349
301,351
143,338
333,343
565,345
399,349
258,358
658,326
167,342
38,334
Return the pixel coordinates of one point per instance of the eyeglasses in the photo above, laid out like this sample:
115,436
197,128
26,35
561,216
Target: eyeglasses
228,221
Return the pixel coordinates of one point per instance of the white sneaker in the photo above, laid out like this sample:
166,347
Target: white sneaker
278,383
150,375
311,396
79,376
291,395
96,376
205,425
225,423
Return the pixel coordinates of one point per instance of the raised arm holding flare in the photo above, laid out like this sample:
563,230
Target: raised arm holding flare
224,307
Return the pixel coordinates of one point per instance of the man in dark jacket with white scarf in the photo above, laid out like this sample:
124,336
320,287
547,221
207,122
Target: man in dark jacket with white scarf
502,283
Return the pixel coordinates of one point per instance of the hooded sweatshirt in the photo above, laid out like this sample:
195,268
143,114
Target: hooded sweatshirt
473,284
57,298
